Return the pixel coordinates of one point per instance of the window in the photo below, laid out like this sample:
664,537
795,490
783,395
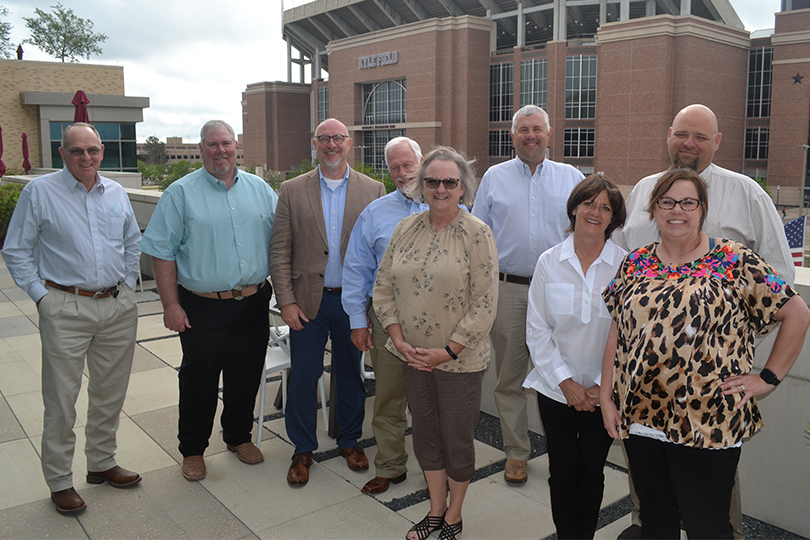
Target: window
760,75
533,81
580,87
756,143
500,143
323,103
120,147
374,146
501,92
579,142
384,102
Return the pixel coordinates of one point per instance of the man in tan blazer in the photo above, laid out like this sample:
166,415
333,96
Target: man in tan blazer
315,215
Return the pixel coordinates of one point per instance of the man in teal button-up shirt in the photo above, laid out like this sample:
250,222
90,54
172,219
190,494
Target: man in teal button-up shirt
210,237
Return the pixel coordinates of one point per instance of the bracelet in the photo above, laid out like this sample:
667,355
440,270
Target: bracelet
451,353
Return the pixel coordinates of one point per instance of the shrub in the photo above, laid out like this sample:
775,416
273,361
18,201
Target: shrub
9,194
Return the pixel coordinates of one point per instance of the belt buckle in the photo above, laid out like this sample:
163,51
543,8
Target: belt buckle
237,292
98,294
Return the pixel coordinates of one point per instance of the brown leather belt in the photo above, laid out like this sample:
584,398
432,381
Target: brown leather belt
106,293
511,278
237,293
334,289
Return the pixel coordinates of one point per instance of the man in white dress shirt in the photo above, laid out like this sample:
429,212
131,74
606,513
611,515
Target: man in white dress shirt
523,201
739,209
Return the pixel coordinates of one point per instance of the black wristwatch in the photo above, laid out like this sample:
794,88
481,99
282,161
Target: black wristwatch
769,377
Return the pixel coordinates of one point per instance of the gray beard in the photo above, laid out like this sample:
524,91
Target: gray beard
685,164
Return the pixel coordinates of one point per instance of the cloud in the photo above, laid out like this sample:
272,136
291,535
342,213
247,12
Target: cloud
192,60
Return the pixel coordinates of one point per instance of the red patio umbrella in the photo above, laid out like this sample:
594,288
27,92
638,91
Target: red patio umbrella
80,101
26,163
2,165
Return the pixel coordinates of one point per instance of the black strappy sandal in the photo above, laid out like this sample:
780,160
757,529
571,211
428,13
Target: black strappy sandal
450,531
424,528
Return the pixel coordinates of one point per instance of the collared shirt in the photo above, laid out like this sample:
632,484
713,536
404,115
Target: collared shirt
525,211
334,206
218,237
367,244
739,209
62,232
567,322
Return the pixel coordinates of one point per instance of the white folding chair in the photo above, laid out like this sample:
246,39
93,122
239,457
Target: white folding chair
277,359
367,375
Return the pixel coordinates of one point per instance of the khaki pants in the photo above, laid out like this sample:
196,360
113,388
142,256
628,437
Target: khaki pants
512,363
72,327
389,422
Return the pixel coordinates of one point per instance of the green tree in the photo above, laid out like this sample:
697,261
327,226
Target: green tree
177,171
155,151
153,173
63,35
6,48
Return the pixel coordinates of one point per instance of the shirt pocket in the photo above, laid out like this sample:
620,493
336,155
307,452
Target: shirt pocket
560,298
115,225
554,211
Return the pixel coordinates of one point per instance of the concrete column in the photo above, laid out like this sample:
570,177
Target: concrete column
560,21
686,7
624,10
289,62
521,26
602,12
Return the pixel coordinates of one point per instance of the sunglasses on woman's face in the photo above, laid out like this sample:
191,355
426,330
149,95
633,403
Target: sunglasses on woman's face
449,183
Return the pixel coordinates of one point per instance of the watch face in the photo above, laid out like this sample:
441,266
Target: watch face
769,377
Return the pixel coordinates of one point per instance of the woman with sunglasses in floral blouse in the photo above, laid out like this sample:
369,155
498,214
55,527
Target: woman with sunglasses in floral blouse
436,295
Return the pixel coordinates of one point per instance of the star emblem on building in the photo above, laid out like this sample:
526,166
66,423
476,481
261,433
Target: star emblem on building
798,79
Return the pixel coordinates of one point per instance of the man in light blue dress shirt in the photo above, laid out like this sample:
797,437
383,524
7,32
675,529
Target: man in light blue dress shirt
523,201
210,237
316,213
75,230
367,244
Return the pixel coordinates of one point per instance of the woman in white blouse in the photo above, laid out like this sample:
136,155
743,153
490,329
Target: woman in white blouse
566,329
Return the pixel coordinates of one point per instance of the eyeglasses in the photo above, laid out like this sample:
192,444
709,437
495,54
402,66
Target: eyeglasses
449,183
688,204
324,139
79,152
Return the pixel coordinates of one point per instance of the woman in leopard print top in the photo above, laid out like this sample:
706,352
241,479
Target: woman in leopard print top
676,376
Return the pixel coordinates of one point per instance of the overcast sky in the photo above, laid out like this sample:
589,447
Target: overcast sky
194,59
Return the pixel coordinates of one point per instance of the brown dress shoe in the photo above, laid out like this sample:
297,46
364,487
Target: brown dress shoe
355,458
194,468
68,501
378,484
247,452
116,477
515,471
298,475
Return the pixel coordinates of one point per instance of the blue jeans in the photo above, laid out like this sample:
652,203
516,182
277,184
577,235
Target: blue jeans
307,348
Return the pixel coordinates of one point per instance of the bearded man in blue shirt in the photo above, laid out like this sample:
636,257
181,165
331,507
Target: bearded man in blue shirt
210,236
75,230
367,244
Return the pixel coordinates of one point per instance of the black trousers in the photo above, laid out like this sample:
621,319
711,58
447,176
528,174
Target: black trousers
676,482
228,337
578,446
